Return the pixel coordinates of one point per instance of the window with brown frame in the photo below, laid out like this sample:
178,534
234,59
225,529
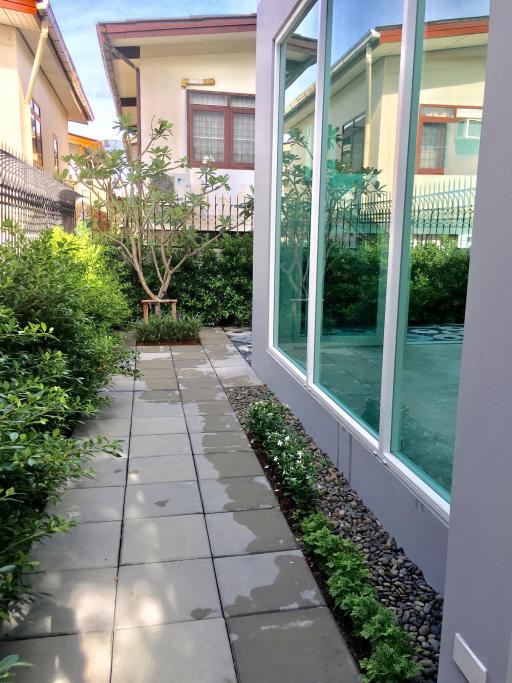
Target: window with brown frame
221,126
55,154
37,140
443,132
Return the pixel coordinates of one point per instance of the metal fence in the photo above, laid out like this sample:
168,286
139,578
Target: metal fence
31,199
440,210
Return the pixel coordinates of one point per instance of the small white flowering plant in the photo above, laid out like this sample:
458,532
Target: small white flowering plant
287,450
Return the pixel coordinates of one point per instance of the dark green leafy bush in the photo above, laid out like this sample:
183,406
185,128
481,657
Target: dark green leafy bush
59,303
163,328
215,285
439,275
66,282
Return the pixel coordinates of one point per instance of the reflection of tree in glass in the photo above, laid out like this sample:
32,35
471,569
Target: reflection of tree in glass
344,192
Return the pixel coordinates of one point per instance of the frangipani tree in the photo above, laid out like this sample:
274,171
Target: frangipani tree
142,213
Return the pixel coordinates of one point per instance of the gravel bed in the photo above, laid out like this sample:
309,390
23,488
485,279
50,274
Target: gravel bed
399,582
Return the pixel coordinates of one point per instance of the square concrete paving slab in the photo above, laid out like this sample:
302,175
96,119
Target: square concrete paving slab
156,384
166,592
86,546
121,383
155,397
155,355
230,362
238,377
186,348
161,468
188,652
162,500
162,373
213,423
185,359
219,442
117,409
208,408
66,602
83,658
157,363
152,348
101,504
108,428
158,425
268,582
202,383
201,395
108,471
163,539
205,371
237,493
249,531
143,408
159,444
300,646
221,465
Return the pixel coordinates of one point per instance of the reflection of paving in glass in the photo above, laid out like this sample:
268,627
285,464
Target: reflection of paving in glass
352,374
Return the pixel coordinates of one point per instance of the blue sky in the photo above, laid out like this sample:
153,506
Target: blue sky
79,31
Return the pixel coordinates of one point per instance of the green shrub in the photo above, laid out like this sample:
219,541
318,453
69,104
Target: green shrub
391,659
288,451
215,285
66,281
164,329
59,304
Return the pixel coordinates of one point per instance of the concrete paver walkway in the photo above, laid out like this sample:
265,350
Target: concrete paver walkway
182,568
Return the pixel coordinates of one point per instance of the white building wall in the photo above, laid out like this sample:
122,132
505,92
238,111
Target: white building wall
163,97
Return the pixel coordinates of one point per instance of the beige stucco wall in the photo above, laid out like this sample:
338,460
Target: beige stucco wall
15,66
163,97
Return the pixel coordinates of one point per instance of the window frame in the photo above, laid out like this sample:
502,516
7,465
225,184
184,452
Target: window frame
56,155
228,112
37,156
425,118
352,121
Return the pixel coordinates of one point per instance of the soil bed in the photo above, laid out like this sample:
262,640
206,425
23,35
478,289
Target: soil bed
398,581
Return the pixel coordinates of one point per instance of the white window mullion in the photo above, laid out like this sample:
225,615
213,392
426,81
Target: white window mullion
410,71
316,186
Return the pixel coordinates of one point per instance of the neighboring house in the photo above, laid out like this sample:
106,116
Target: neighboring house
40,84
198,73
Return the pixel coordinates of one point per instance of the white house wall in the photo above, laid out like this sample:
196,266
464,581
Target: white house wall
163,97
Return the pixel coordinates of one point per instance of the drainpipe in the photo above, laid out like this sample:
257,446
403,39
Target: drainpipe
120,55
43,39
368,118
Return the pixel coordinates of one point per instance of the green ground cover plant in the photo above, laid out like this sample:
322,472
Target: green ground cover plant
164,329
60,303
347,574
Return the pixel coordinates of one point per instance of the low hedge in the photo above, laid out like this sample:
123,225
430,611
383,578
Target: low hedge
164,329
348,578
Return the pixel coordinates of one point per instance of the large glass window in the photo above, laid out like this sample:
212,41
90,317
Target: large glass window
293,218
439,206
361,102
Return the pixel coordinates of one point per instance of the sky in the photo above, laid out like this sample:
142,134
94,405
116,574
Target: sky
79,31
